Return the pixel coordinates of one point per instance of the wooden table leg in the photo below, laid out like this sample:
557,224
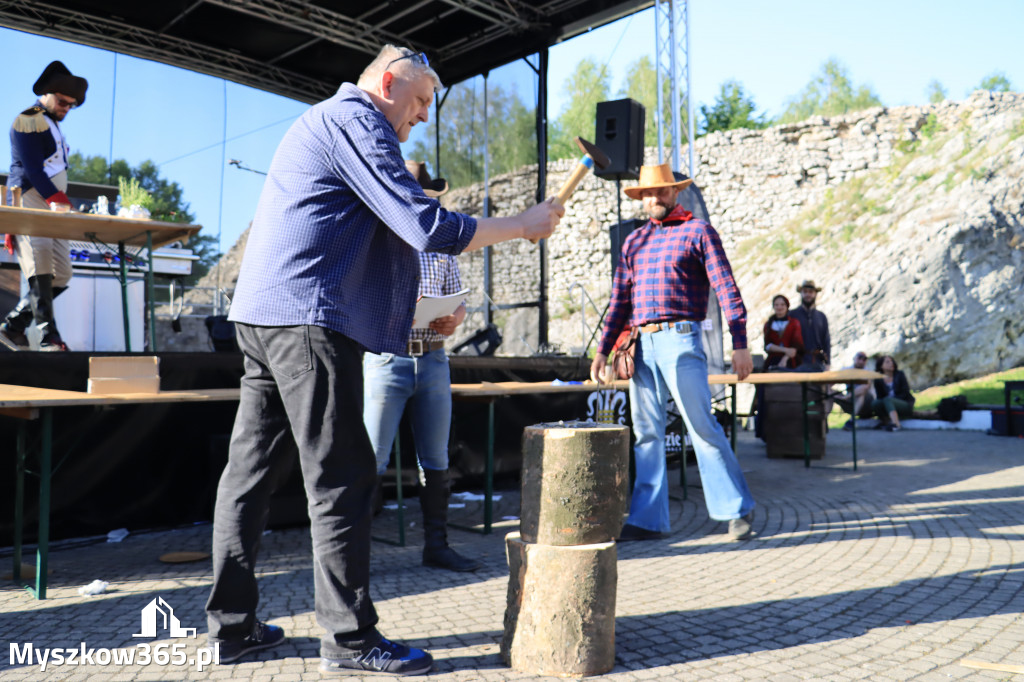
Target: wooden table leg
19,499
807,426
489,471
45,472
124,295
852,388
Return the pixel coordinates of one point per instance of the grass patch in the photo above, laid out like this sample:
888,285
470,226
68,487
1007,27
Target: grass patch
931,127
986,390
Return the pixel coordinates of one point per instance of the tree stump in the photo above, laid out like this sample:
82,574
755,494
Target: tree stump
575,481
560,612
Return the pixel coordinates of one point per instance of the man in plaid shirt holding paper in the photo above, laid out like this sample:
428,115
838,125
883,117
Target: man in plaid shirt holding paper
661,285
421,383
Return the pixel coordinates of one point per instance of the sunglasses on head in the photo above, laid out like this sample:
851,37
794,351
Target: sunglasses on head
417,57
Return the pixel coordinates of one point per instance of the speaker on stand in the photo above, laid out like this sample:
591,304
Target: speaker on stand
620,134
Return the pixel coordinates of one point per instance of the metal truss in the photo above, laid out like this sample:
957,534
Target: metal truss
109,34
672,38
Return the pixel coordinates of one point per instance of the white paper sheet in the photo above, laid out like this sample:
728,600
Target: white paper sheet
429,308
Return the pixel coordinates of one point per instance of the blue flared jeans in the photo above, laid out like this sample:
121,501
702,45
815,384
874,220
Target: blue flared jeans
672,362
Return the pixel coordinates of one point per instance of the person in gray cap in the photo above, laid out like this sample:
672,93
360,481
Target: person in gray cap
39,165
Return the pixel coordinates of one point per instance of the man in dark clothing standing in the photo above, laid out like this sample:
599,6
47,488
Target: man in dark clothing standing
817,342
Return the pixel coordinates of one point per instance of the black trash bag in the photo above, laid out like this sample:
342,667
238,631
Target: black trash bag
952,409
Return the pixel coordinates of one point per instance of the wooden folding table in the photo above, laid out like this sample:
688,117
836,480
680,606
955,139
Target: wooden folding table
103,229
28,403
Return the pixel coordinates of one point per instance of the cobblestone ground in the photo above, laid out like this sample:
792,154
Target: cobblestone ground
897,571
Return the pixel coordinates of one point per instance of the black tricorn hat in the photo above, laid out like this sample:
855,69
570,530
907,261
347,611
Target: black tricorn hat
57,78
431,187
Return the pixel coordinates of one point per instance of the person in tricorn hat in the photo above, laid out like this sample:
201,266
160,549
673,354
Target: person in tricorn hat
39,163
661,285
814,324
421,383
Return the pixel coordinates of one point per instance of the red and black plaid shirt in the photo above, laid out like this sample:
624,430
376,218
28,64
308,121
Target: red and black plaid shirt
665,272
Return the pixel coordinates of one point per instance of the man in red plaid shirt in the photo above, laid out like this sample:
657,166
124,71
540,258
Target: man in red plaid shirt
662,282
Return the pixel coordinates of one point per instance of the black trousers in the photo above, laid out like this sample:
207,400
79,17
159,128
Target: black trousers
303,383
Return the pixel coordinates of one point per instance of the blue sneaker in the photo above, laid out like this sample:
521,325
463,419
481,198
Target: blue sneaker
263,637
387,657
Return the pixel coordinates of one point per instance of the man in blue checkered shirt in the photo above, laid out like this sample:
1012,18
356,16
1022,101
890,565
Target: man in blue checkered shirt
421,384
661,285
331,270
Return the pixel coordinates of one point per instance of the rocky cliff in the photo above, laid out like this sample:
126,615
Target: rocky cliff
910,218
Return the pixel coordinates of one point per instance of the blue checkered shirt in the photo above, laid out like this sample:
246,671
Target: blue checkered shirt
439,276
337,229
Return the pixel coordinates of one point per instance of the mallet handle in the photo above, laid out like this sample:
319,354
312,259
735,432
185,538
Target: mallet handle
582,168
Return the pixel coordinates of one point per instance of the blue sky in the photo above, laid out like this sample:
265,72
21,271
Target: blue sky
177,118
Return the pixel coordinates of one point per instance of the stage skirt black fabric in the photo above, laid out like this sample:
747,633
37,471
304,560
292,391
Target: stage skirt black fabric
156,466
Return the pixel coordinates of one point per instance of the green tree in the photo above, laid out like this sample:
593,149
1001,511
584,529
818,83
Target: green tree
642,86
732,109
995,82
936,93
168,202
588,85
830,93
510,127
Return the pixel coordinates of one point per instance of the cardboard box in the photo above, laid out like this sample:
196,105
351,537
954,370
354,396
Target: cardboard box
124,374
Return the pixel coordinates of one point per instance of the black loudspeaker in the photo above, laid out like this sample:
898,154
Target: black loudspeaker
620,135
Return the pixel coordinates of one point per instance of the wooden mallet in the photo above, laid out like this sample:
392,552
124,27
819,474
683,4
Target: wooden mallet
592,157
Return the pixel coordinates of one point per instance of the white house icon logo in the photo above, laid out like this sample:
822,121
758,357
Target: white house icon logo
171,622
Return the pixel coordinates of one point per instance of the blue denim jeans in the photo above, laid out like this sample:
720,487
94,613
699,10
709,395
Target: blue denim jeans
424,384
673,363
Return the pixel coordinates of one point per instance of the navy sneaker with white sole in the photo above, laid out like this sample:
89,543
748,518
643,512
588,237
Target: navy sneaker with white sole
385,657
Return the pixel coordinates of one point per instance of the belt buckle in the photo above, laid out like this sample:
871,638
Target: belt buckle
683,326
416,347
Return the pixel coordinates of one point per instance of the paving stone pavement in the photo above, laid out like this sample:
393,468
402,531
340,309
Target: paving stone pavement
897,571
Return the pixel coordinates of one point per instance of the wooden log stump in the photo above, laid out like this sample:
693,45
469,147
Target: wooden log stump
575,481
560,613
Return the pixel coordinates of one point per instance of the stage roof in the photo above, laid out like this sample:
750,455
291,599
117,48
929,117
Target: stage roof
304,50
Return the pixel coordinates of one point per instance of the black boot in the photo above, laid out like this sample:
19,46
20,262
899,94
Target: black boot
12,329
40,293
434,502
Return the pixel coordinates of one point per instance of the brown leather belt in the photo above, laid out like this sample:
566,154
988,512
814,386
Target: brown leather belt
419,347
680,326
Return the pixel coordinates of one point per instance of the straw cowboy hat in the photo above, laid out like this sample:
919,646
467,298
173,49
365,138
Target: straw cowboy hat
807,284
57,78
655,177
431,187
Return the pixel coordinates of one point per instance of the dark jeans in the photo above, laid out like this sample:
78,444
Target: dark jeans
302,383
883,406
